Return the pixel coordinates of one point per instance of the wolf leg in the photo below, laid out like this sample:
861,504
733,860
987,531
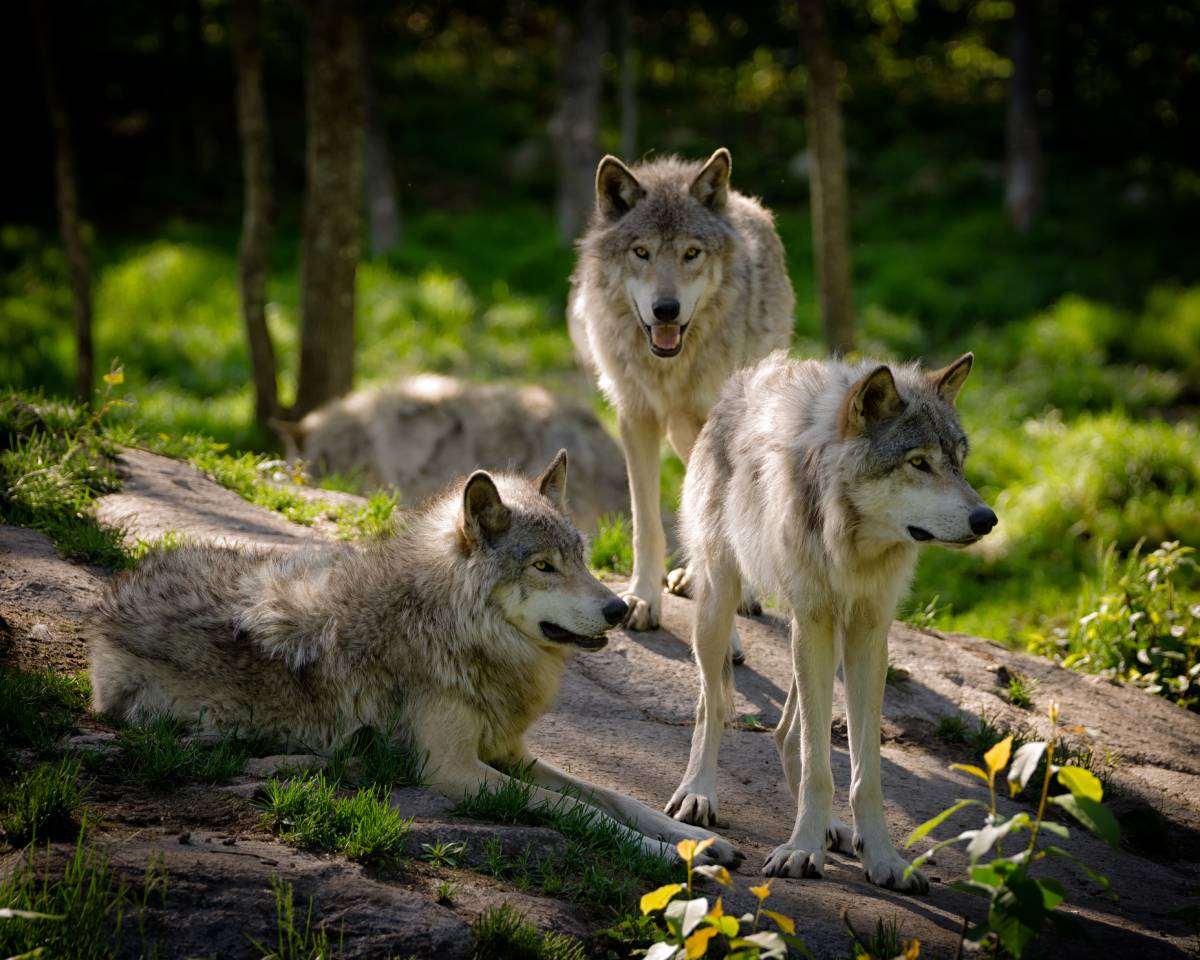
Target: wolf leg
649,823
814,660
695,800
640,438
679,582
866,669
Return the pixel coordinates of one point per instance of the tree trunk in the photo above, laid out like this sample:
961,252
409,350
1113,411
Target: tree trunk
257,202
379,183
1023,155
335,117
627,82
827,179
66,187
575,128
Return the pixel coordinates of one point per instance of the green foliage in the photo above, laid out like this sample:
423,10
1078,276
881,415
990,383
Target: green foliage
1139,621
1020,690
952,728
505,933
612,547
443,854
43,803
883,943
1020,904
311,813
381,759
84,907
375,521
294,942
158,753
36,709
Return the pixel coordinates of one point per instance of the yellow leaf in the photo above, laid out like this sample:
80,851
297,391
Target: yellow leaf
912,950
1052,711
164,436
716,912
997,758
114,378
688,849
657,899
971,769
697,944
786,923
716,872
762,892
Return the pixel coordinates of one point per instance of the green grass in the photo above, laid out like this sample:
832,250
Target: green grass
1020,690
884,941
603,863
158,753
294,941
88,904
38,708
311,813
379,759
505,933
612,546
44,804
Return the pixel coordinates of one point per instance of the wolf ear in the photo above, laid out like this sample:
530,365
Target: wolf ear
949,380
869,400
617,189
711,186
484,515
293,435
552,482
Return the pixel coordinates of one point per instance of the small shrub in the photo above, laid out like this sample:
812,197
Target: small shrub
443,854
505,933
44,803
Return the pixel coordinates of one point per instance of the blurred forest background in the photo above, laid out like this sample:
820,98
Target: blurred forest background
1023,181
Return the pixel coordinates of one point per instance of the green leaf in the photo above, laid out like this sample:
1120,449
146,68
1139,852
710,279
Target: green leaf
1081,783
1024,763
1018,912
985,838
941,817
1093,815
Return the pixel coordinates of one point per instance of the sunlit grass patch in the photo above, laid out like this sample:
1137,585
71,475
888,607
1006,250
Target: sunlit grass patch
158,753
505,933
612,546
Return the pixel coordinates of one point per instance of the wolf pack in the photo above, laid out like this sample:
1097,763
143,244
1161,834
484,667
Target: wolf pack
813,482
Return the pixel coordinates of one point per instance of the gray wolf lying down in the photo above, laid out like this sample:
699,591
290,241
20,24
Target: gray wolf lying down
454,633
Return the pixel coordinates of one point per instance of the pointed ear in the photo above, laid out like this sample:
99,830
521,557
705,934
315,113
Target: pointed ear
871,399
949,380
617,189
711,186
484,515
552,482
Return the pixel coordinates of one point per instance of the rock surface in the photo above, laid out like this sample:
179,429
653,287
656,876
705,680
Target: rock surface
624,721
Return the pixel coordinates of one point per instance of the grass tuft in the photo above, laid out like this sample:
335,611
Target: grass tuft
379,759
505,933
612,547
292,942
37,708
43,804
157,753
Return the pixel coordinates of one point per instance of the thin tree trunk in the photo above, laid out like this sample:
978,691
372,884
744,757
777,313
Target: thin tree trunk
827,181
1023,155
257,202
575,128
335,115
66,186
379,183
627,81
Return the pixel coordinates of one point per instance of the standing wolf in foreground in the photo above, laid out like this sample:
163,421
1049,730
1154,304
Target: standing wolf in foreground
815,481
454,634
680,282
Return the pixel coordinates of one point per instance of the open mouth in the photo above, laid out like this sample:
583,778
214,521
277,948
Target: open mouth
924,536
556,634
666,339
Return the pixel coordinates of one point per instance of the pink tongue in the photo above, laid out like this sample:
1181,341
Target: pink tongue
666,336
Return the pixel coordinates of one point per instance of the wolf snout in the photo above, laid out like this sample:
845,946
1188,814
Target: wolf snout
666,309
614,611
982,519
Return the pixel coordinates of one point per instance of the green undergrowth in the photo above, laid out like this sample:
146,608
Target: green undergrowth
37,708
505,933
603,864
159,753
44,802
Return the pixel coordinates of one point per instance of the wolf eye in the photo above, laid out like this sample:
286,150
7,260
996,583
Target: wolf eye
921,464
641,253
691,253
543,566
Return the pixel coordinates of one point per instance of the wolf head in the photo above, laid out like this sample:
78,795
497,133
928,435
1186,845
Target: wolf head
663,231
911,446
543,585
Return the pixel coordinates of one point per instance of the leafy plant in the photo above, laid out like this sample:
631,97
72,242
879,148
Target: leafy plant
692,927
292,942
1020,904
446,892
444,854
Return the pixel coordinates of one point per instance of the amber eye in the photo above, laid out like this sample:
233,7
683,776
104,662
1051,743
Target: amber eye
543,566
641,253
920,463
691,253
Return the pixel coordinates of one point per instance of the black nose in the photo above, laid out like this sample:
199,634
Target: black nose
614,611
666,309
982,519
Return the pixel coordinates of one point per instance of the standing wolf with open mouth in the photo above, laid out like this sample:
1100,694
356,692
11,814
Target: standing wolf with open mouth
680,281
816,481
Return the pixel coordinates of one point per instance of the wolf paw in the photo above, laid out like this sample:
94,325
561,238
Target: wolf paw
697,808
722,853
840,838
788,861
886,869
679,581
643,614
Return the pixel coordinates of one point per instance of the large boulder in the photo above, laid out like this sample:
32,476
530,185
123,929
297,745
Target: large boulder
421,433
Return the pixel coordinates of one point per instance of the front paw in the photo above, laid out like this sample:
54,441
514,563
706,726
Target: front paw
839,837
644,606
695,806
886,868
790,861
679,581
722,853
